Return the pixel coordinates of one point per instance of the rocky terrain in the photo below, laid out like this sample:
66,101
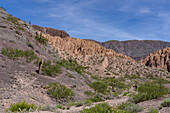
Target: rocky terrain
87,72
136,49
159,59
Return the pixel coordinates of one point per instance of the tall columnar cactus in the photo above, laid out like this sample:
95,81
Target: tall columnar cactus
40,65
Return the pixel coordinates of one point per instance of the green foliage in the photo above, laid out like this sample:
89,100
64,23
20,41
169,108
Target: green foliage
72,65
130,107
13,20
59,91
41,39
80,103
88,93
166,103
15,54
100,87
60,106
149,91
114,82
99,108
125,93
22,106
3,8
20,28
153,110
97,98
71,76
51,69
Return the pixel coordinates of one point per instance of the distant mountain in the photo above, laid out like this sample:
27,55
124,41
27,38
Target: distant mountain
159,59
134,48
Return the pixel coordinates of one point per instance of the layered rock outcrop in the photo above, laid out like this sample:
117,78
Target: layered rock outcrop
51,31
159,59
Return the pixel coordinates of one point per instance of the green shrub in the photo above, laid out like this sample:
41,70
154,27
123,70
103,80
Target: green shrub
15,54
72,65
149,91
97,98
100,87
153,110
51,70
166,103
71,76
60,106
13,20
59,91
41,39
89,93
3,8
130,107
125,93
20,28
22,106
99,108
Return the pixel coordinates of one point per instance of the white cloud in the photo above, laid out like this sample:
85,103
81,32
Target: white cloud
144,10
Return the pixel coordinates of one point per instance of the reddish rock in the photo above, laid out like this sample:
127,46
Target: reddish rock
160,59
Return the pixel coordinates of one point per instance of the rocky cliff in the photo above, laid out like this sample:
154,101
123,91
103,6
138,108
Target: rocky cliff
159,59
51,31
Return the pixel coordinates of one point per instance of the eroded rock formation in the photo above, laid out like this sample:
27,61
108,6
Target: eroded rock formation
160,59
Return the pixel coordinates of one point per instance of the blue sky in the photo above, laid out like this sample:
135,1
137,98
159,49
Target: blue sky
101,20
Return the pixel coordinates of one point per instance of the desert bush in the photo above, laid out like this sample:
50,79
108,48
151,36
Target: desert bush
15,54
130,107
166,103
3,8
22,106
13,20
60,106
51,69
72,65
59,91
125,93
153,110
100,87
99,108
41,39
149,91
114,82
97,98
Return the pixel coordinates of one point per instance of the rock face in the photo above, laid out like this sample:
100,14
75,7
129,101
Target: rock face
159,59
134,48
51,31
78,47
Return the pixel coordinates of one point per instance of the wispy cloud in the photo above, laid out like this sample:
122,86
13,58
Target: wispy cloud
101,20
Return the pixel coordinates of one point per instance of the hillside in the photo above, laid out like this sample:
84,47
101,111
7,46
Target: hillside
134,48
57,73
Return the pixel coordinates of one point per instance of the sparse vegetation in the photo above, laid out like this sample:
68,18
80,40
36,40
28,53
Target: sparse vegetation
130,107
166,103
3,8
72,65
41,39
153,110
99,108
22,106
13,20
51,69
71,76
15,54
149,91
59,91
100,87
